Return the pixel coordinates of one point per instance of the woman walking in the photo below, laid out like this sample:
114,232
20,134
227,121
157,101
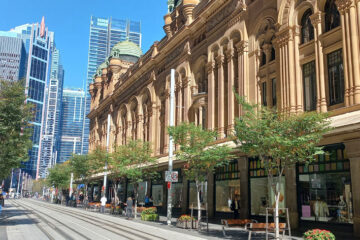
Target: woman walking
129,205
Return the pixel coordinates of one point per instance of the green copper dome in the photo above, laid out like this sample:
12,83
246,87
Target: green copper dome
126,50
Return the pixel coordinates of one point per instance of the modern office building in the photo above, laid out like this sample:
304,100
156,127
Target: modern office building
12,56
50,139
104,34
38,42
73,101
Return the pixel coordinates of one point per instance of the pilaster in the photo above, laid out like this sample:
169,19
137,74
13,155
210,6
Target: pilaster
211,95
242,50
231,96
221,95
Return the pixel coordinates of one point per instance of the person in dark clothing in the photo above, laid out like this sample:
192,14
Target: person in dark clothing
235,206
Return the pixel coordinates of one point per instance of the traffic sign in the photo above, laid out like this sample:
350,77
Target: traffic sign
171,176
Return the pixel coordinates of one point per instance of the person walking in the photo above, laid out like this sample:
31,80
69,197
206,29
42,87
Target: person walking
103,201
235,207
129,206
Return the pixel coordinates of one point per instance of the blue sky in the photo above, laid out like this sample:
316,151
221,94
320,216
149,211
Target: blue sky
70,20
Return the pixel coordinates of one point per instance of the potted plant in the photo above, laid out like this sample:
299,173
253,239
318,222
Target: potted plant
149,214
318,234
186,221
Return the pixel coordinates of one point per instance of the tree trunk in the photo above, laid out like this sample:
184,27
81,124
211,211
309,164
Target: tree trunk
198,202
276,217
136,198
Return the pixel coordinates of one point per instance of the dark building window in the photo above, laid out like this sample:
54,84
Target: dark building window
309,76
273,54
332,15
263,94
307,29
336,77
263,59
273,90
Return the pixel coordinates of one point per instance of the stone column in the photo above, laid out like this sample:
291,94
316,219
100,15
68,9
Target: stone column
178,104
242,49
221,95
231,96
98,86
353,153
210,195
316,20
211,95
348,13
200,115
187,99
291,195
298,81
244,187
154,135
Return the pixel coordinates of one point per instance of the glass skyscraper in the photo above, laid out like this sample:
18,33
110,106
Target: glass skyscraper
38,43
73,101
50,139
104,34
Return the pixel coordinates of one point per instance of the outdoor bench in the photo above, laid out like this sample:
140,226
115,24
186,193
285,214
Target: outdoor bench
234,223
265,227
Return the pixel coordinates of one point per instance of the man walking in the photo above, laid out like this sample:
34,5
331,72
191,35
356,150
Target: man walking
103,201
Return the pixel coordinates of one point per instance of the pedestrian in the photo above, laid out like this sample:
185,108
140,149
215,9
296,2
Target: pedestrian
147,201
129,205
86,202
235,206
103,201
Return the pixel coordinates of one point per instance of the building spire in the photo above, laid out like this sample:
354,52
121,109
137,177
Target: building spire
42,27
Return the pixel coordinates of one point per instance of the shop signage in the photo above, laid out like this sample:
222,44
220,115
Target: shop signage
171,176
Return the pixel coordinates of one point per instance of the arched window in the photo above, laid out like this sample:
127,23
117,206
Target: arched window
307,29
332,15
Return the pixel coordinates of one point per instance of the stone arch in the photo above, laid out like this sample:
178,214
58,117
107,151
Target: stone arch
300,9
199,83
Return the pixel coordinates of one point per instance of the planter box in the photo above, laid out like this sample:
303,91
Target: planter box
187,224
150,217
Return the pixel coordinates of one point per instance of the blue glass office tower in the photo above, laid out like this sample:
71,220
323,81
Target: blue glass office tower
73,101
38,43
104,34
50,139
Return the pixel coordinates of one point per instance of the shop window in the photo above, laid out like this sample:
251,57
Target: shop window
227,182
142,190
273,92
263,94
325,187
157,191
332,15
309,76
307,29
121,190
336,77
177,187
262,196
193,195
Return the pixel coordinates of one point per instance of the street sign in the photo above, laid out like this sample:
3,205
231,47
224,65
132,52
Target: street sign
171,176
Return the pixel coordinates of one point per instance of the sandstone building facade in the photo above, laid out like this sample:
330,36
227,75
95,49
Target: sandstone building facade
296,55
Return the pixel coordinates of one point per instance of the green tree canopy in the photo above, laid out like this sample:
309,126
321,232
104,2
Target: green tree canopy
197,150
279,140
59,175
15,129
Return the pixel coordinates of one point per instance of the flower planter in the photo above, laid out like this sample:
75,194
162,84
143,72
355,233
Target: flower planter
150,217
187,224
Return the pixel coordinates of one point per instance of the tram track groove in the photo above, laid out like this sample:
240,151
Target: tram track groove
60,231
120,228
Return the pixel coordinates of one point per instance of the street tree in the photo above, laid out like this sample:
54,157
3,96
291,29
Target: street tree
133,161
279,140
82,168
198,151
59,176
15,128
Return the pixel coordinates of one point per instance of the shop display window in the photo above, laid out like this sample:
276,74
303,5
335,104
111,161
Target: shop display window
262,196
142,189
227,186
96,194
121,191
325,187
157,195
177,194
193,195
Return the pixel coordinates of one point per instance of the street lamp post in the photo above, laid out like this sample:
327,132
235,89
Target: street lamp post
171,113
107,151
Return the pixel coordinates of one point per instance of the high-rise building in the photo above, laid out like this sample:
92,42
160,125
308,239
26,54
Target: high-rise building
36,56
50,138
73,101
104,34
12,56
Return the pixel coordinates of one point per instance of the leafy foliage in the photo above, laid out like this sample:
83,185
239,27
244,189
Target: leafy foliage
15,129
318,234
196,150
133,161
59,175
